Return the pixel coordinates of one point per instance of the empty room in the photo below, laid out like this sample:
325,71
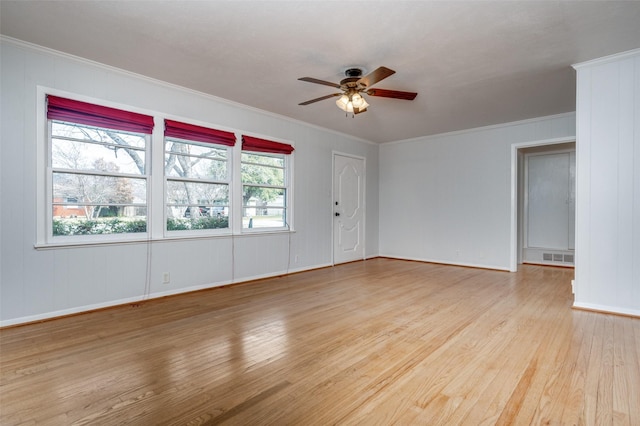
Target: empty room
319,212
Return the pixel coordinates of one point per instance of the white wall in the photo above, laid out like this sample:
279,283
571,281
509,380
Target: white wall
608,184
443,198
38,284
447,198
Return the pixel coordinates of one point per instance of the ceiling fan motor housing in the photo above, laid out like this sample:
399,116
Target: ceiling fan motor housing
352,76
353,72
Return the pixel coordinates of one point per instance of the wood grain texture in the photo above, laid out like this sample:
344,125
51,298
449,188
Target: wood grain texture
376,342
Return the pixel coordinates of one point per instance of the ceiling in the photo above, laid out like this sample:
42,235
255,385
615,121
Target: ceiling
473,63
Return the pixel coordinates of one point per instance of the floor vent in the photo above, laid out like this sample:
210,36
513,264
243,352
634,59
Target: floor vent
557,257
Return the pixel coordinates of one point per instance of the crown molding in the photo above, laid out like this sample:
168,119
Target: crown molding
46,50
607,59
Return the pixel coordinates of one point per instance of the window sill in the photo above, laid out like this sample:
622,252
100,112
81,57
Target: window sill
167,239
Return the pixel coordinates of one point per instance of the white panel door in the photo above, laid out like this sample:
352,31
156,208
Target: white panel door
348,209
550,202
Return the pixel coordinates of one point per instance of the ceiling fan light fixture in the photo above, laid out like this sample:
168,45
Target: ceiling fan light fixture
344,103
348,103
358,102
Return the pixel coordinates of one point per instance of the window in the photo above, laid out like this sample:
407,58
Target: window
197,173
264,183
98,169
102,179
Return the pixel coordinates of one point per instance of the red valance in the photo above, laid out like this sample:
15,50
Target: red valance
250,143
96,115
192,132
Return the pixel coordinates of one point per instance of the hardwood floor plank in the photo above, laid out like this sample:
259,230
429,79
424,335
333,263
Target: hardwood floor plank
632,368
435,375
553,383
568,408
511,379
604,409
625,396
376,342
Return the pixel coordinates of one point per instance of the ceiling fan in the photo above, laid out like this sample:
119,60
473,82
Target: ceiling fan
354,85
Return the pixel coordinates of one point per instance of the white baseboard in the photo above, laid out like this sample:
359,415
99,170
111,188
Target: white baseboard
445,262
142,298
607,309
67,312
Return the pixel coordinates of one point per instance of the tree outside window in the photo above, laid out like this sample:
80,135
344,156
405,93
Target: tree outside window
197,185
264,191
98,180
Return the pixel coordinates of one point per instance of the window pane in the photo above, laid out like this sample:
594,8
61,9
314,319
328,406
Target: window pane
184,194
263,207
95,190
94,219
203,168
212,166
205,150
267,160
262,175
195,205
271,217
88,148
95,134
263,169
258,196
185,218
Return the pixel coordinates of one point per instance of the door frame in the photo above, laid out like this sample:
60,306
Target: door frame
335,153
515,147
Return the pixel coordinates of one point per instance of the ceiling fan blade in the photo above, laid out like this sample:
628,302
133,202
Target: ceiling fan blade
320,99
396,94
375,76
315,80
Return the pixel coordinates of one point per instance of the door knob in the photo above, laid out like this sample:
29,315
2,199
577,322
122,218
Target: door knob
337,214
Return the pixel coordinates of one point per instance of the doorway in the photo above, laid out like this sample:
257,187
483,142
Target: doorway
548,213
518,226
348,208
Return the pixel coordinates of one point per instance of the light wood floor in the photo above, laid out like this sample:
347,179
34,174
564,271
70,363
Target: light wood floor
375,343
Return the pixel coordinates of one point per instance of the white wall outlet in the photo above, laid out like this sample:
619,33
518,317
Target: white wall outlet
166,278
